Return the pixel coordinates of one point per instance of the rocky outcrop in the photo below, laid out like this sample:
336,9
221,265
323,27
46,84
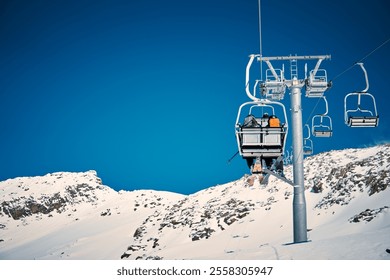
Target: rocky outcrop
68,193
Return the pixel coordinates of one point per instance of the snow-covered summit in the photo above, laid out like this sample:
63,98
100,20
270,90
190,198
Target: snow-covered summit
25,196
74,216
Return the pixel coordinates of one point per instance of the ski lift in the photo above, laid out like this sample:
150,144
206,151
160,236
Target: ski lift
260,137
307,143
322,124
361,117
317,83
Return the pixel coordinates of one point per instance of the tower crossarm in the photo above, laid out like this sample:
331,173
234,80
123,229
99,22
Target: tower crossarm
293,57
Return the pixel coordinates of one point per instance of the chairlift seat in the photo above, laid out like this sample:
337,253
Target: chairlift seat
363,121
322,133
315,92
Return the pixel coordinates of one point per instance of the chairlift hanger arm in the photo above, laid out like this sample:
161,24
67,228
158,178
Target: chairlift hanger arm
255,87
326,106
247,78
308,129
317,67
365,75
272,70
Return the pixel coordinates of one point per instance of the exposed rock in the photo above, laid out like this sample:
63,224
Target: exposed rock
23,207
367,215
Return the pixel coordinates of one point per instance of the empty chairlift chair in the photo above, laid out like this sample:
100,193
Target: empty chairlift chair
322,124
365,113
273,87
307,143
317,82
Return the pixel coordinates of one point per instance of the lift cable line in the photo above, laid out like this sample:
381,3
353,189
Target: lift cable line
361,60
232,157
260,40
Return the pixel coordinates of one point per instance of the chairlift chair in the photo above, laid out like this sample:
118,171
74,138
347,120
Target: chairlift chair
317,82
307,143
322,124
273,87
323,127
257,140
361,117
307,147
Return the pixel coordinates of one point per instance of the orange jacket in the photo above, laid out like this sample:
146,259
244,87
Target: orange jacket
274,122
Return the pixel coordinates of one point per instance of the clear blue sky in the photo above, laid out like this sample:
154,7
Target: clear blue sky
146,92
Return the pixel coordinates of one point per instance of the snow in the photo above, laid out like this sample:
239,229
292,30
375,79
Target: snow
74,216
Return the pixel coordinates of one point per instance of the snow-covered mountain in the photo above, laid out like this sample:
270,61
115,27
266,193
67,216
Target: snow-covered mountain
74,216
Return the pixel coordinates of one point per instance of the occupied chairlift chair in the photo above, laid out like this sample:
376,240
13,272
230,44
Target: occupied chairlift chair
360,117
257,140
322,124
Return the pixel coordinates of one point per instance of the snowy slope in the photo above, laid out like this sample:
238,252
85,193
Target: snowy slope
74,216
